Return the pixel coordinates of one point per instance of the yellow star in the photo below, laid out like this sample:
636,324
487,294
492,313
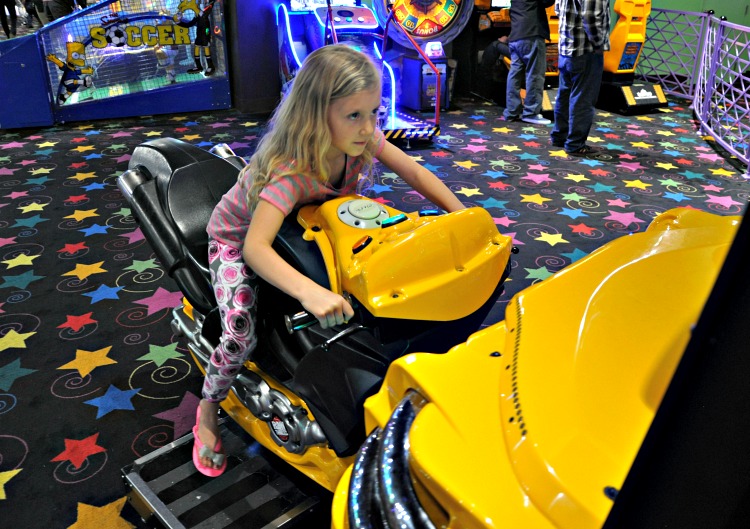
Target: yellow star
416,157
179,118
503,130
665,165
636,183
561,153
93,517
82,271
5,477
666,110
84,127
576,177
509,148
469,192
83,148
191,137
82,176
81,214
249,124
47,144
87,361
644,118
32,207
468,164
708,138
594,139
536,199
721,171
458,126
14,339
641,144
41,170
153,133
20,260
551,238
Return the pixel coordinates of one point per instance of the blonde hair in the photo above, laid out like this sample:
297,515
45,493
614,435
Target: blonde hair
298,130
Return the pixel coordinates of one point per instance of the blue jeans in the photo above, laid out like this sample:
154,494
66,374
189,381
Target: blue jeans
580,79
527,67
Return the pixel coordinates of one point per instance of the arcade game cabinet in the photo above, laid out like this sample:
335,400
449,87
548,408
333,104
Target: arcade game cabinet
619,93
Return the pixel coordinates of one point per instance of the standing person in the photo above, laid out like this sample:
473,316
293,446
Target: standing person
32,13
62,8
584,37
321,138
10,5
529,31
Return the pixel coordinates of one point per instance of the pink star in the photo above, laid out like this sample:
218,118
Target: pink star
12,145
537,178
626,219
537,167
512,235
474,148
121,134
712,187
627,156
618,203
218,125
238,145
162,299
133,236
727,202
504,221
123,158
182,416
710,157
633,166
17,194
27,162
7,240
478,140
637,132
4,171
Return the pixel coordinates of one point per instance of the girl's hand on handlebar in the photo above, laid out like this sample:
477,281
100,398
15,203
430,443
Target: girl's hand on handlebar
328,307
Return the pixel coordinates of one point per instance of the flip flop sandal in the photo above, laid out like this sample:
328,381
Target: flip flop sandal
200,451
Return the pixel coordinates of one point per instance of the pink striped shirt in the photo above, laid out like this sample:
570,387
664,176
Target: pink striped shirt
231,217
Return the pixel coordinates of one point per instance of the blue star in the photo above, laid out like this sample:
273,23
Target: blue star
37,181
113,399
20,281
677,197
92,133
674,154
92,156
94,186
12,371
476,117
604,129
378,188
528,156
591,163
575,255
688,140
204,144
495,174
45,152
430,167
103,292
191,123
572,213
472,132
94,229
29,222
493,203
690,175
614,147
527,136
599,187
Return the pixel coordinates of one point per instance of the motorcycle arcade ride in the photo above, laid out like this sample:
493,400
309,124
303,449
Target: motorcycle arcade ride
418,282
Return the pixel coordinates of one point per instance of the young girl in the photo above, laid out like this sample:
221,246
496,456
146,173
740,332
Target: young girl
320,139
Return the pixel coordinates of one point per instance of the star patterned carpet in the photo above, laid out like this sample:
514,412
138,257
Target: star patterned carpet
91,375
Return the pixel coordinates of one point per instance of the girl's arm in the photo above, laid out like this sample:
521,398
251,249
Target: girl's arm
420,179
329,307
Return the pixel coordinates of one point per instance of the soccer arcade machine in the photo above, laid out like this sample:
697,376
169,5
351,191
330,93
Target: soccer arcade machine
121,58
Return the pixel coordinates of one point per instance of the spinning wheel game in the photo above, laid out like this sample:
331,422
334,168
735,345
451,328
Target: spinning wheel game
426,20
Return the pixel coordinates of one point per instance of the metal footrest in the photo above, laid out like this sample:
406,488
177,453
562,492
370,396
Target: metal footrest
253,492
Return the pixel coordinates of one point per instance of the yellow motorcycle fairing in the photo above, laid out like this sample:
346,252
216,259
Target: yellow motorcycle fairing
423,268
319,463
530,421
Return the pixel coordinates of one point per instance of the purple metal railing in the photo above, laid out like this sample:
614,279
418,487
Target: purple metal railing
703,58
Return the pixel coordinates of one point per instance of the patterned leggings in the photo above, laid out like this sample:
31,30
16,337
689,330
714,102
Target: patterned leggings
236,289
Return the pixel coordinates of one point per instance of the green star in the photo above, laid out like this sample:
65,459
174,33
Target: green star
160,354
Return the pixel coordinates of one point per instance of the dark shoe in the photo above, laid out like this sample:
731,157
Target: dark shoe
556,143
583,151
511,118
